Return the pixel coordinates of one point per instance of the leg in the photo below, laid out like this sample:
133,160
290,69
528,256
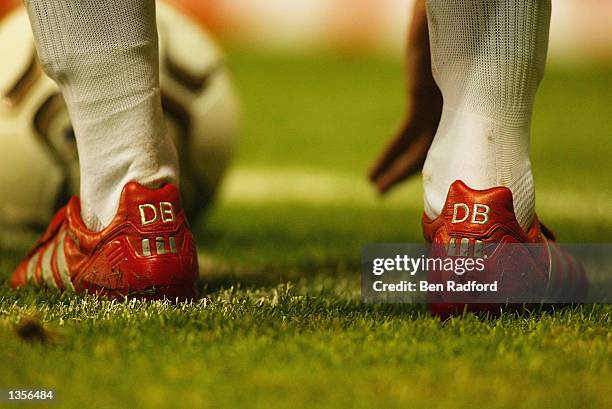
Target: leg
488,59
104,57
128,235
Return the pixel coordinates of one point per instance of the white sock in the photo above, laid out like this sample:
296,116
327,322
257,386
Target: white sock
488,58
104,57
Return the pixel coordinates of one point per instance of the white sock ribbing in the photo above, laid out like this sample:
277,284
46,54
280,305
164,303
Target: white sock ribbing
104,57
488,58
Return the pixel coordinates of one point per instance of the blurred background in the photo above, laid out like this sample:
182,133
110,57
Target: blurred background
322,89
580,28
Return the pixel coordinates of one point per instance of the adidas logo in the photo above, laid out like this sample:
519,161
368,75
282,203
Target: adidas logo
159,244
464,247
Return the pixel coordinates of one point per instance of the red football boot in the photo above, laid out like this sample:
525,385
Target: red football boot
529,267
146,252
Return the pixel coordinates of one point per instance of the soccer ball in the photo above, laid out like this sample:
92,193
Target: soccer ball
38,158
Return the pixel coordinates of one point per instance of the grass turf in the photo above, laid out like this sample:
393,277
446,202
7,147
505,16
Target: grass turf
281,324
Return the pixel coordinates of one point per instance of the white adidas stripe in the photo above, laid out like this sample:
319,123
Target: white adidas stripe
62,265
32,267
46,269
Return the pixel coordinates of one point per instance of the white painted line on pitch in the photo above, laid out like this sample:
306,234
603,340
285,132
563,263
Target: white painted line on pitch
253,186
257,186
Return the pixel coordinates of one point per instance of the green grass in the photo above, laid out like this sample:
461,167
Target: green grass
281,324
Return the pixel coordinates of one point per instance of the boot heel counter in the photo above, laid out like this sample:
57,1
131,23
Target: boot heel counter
175,251
480,214
155,265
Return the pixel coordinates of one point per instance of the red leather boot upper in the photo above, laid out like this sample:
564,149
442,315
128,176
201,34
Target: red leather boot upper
147,251
483,223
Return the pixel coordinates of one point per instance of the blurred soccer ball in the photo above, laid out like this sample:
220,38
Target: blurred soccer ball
38,159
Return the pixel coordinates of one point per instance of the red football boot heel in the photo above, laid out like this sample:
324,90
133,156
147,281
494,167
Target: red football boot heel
146,252
529,267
